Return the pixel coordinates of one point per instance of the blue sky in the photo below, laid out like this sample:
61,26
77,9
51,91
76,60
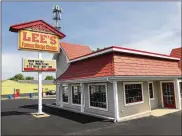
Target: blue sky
150,26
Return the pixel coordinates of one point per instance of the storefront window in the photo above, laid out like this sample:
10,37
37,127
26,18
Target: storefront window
133,93
76,95
97,96
151,90
65,94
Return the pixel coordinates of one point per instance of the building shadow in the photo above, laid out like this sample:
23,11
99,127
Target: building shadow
10,113
67,114
80,118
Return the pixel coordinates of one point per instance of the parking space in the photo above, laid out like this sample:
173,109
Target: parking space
17,120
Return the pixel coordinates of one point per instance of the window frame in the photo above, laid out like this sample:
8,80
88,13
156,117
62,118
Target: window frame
97,108
180,81
80,97
152,90
62,96
134,103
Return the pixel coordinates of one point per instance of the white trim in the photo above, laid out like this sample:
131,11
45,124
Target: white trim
146,54
80,98
134,103
162,100
179,81
149,97
76,111
122,50
152,90
104,109
116,103
178,96
135,116
62,95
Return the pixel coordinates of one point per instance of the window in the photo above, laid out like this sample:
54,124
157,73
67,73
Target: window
133,93
180,87
98,96
76,95
65,94
151,90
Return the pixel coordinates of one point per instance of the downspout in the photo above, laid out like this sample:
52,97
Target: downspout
115,119
109,80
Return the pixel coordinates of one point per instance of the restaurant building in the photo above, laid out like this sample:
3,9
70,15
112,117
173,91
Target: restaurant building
116,83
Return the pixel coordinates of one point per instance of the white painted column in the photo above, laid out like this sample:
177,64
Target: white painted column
82,96
61,95
40,88
116,103
178,95
148,96
57,94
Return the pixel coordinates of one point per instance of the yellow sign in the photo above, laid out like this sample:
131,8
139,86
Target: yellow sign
34,65
29,40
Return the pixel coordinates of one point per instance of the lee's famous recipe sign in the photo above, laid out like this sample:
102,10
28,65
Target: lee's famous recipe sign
29,40
41,65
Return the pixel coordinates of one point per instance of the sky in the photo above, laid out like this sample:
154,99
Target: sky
148,26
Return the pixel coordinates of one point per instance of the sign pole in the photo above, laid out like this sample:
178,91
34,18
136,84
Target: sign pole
40,88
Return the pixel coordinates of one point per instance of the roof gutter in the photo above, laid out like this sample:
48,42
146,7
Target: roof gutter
119,78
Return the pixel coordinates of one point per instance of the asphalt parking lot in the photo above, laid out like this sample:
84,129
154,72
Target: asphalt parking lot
17,120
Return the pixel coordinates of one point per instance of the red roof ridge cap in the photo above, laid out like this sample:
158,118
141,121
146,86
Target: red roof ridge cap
177,48
140,51
27,22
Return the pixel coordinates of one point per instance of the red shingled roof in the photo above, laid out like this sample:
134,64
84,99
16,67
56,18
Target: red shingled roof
40,23
177,52
120,64
74,50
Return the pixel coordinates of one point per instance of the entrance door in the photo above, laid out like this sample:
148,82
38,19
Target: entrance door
168,95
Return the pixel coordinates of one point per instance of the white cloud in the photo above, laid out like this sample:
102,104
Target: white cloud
163,39
12,64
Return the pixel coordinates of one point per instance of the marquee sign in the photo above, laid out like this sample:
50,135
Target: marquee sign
38,65
31,40
38,36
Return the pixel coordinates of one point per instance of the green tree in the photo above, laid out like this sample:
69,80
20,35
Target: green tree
17,77
12,78
49,78
29,78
